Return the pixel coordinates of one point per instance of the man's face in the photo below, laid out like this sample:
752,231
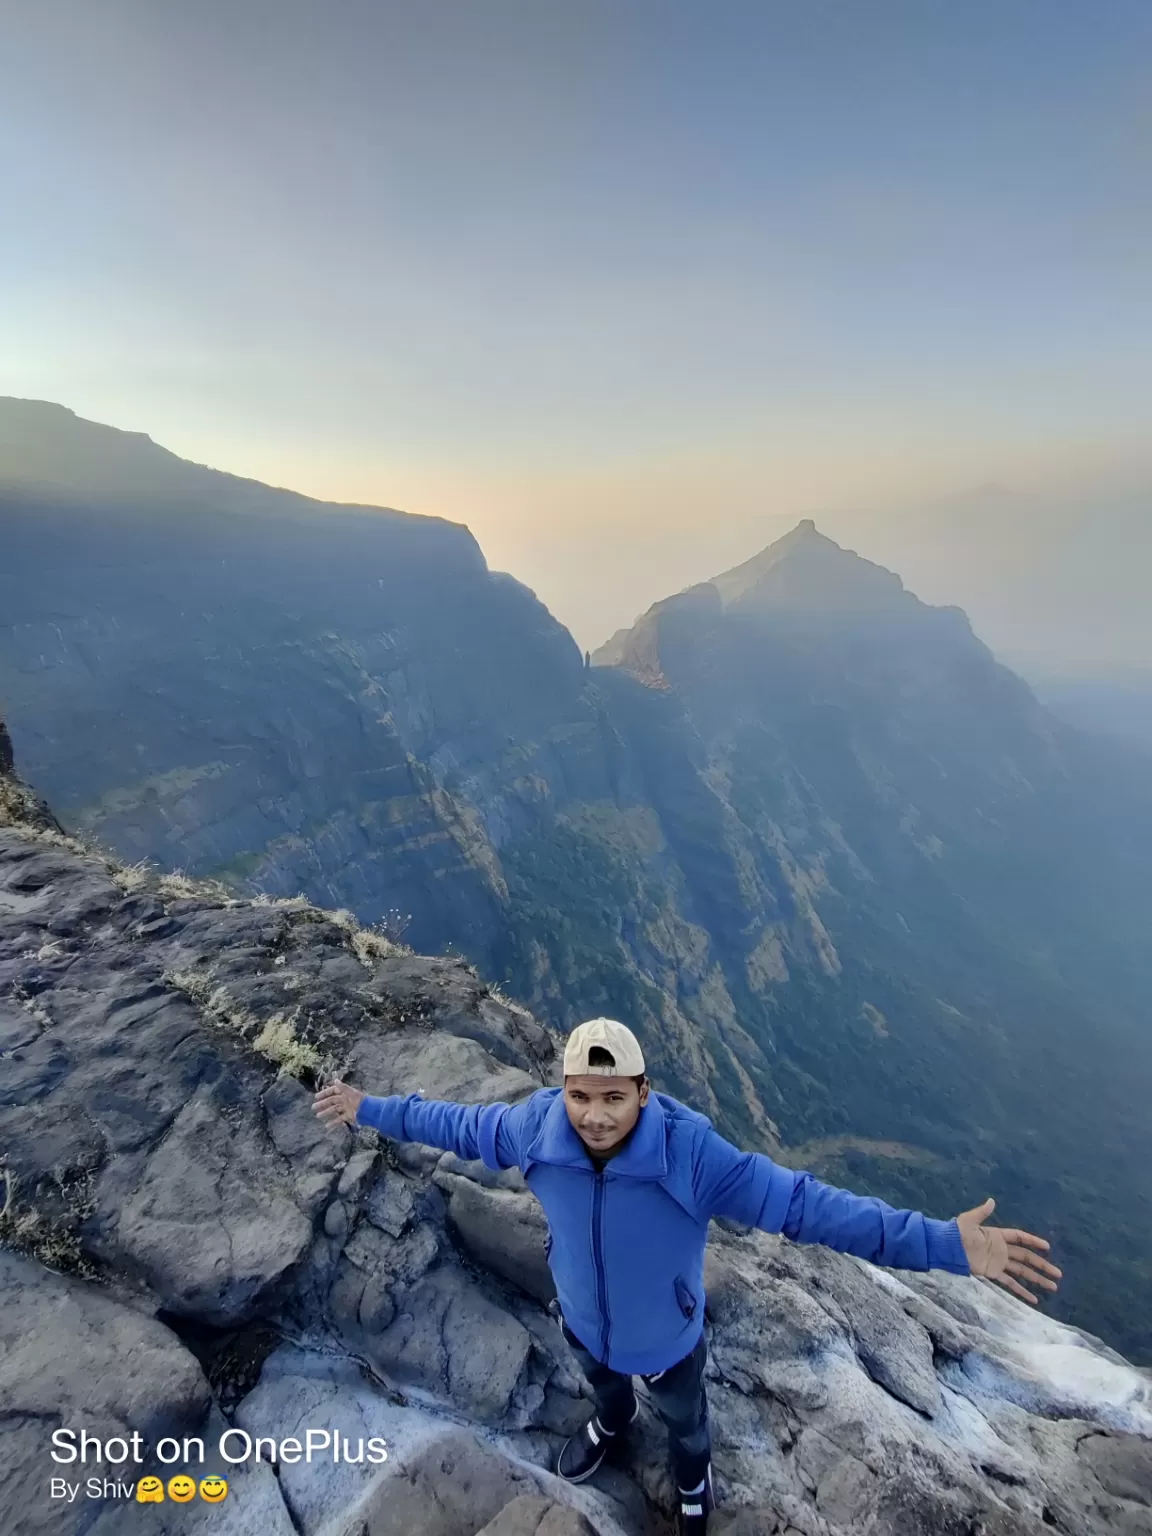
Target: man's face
603,1109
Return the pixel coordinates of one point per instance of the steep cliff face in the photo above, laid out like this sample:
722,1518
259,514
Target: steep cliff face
235,680
859,893
184,1251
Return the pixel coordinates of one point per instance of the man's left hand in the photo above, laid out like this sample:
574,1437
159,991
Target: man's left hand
1005,1254
338,1104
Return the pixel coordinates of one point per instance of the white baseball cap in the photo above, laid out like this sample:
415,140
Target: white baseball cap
617,1039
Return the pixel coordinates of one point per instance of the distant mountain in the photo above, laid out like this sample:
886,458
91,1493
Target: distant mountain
1055,581
865,898
1061,577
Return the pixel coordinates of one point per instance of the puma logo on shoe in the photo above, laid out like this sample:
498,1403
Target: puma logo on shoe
696,1504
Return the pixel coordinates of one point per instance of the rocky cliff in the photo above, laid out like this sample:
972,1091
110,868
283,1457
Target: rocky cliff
236,680
860,894
185,1251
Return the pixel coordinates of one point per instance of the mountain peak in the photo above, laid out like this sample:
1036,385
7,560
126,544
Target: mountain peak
804,529
807,570
805,583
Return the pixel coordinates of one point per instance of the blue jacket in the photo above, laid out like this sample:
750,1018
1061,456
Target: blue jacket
626,1246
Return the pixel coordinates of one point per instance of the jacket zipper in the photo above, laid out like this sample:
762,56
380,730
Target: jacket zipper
598,1261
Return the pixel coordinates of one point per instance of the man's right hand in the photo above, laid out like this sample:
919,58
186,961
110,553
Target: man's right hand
338,1103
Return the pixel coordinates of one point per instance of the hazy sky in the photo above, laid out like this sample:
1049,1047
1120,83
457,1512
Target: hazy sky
615,284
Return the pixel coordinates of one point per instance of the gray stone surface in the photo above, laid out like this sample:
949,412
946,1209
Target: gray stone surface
452,1485
504,1231
1122,1465
74,1358
527,1515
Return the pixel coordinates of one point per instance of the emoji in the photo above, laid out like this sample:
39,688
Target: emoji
149,1490
181,1488
213,1489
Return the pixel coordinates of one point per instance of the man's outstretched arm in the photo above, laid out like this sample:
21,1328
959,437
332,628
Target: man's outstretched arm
820,1213
871,1229
751,1188
486,1131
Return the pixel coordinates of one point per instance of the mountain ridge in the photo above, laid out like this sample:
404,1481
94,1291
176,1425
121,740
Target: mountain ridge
39,437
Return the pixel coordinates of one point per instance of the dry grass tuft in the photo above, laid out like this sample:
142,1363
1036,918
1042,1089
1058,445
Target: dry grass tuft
29,1004
131,877
274,1037
297,903
380,941
52,1243
196,985
180,886
279,1042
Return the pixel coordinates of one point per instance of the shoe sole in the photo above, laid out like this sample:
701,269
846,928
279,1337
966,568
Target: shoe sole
584,1476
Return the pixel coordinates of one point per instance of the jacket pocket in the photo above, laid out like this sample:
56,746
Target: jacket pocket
685,1297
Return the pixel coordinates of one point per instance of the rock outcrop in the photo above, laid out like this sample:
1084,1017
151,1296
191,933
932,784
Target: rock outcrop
187,1252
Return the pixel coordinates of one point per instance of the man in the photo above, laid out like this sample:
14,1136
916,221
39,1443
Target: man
629,1180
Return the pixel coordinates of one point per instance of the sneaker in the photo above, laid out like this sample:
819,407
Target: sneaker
583,1452
696,1507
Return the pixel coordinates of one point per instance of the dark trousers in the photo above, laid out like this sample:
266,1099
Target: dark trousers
677,1395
